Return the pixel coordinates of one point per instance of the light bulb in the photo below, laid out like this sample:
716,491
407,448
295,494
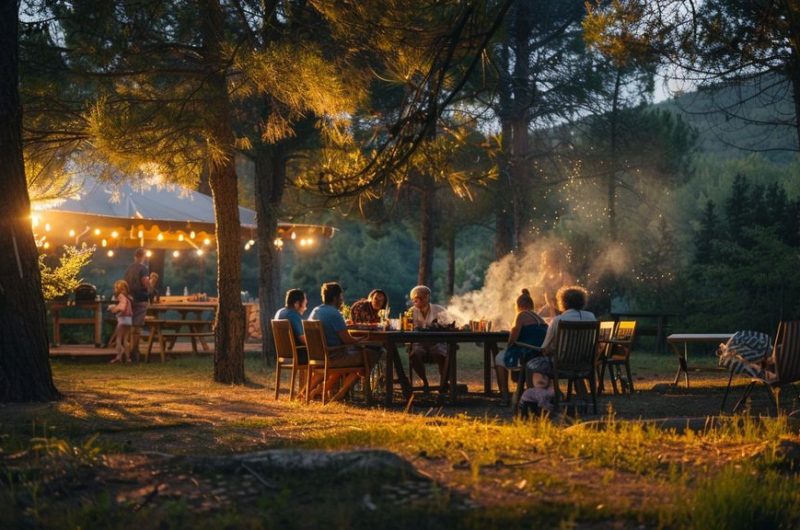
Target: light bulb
191,234
180,237
97,231
199,251
206,241
160,236
104,242
72,233
115,234
176,254
47,227
148,253
110,253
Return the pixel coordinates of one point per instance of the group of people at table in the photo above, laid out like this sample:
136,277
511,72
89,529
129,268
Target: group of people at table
530,338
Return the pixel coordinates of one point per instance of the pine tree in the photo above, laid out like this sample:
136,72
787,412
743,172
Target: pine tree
705,237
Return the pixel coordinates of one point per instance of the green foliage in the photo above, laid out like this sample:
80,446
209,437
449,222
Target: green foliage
62,279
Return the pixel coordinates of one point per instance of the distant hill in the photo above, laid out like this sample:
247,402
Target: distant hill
733,121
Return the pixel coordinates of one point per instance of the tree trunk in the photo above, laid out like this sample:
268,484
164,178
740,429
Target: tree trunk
451,264
612,177
24,349
505,205
270,171
427,243
230,324
520,118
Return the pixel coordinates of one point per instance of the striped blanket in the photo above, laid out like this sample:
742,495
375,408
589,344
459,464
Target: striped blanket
744,352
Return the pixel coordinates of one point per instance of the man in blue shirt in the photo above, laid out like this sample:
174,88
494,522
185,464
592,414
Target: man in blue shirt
296,305
343,349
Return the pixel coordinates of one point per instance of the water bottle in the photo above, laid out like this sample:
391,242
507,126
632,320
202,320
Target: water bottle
168,293
185,291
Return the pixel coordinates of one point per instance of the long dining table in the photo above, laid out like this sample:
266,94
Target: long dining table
389,339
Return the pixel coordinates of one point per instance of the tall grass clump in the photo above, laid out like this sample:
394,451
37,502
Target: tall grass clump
740,497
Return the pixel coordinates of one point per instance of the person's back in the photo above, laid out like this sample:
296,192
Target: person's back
571,301
332,323
133,277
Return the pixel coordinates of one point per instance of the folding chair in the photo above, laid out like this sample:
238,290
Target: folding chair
782,368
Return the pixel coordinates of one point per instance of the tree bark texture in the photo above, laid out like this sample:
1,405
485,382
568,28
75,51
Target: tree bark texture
230,325
520,118
427,243
270,162
505,204
451,264
24,348
612,176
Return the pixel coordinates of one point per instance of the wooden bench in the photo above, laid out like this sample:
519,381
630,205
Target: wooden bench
169,331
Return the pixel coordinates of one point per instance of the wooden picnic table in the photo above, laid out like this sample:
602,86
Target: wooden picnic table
676,339
390,339
169,330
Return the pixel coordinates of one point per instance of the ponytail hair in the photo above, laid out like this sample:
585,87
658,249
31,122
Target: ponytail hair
524,301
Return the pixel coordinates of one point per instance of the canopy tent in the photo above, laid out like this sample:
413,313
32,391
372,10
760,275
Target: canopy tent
154,216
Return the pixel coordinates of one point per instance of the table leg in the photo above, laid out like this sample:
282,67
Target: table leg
391,353
98,325
452,375
487,369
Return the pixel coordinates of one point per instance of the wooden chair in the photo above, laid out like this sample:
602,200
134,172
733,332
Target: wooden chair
318,359
782,368
287,353
617,355
574,355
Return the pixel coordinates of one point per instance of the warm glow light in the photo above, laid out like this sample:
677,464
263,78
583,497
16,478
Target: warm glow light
199,251
97,231
303,242
46,244
160,236
206,241
110,253
104,243
294,235
115,234
47,227
247,246
148,253
176,254
141,234
278,242
72,233
180,237
192,234
34,221
310,241
251,242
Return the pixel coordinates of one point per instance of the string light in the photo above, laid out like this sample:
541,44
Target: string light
199,251
180,237
148,253
247,246
97,231
104,243
46,244
251,242
110,253
141,234
47,227
114,234
191,234
160,236
206,241
176,254
294,235
72,233
34,221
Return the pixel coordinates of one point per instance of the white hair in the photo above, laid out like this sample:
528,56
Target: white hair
420,289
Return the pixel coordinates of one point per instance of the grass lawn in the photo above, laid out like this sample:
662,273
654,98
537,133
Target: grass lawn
154,446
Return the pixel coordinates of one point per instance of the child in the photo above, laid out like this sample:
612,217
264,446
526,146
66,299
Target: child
539,397
124,311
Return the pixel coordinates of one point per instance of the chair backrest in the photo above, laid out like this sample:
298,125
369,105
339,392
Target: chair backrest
626,331
606,330
282,334
787,351
315,341
576,342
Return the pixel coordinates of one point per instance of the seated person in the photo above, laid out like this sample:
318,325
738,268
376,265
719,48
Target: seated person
424,313
343,349
296,305
571,300
528,328
365,311
539,396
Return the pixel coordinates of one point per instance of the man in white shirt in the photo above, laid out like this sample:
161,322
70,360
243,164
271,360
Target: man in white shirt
424,314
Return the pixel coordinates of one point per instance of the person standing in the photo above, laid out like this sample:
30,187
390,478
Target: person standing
138,280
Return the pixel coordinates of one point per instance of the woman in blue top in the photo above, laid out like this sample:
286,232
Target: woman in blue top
528,328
